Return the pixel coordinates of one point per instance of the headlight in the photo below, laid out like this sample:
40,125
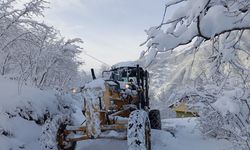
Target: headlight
74,90
127,86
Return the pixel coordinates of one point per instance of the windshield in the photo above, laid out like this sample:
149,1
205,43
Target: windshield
124,75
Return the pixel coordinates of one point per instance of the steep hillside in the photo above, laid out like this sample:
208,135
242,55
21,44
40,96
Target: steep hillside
171,70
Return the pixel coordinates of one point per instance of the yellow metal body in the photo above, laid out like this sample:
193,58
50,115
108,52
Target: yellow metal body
110,99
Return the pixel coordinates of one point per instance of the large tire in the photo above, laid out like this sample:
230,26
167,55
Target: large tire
61,137
52,133
155,119
139,131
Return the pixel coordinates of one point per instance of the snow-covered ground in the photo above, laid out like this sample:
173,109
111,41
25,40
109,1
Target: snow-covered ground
25,135
23,112
186,137
20,127
28,103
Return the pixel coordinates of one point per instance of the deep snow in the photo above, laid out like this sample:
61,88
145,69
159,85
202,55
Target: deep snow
25,134
187,137
22,133
22,113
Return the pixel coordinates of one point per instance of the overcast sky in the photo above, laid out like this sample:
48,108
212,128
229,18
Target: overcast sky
112,30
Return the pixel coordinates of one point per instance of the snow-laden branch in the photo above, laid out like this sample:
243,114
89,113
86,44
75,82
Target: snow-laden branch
215,80
205,19
33,51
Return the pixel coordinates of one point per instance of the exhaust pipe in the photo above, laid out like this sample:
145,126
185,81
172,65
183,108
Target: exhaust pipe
93,74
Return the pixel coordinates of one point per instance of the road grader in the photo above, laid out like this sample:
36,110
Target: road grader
122,106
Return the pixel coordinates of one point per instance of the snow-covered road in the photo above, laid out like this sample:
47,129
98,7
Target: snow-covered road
103,144
187,137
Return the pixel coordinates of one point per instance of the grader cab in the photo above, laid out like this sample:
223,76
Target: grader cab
121,107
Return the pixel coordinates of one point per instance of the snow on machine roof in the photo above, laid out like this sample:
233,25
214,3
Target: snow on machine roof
124,64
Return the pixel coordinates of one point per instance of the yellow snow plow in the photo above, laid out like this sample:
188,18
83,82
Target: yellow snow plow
118,103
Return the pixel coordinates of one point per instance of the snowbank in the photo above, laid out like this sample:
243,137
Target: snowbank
13,100
23,113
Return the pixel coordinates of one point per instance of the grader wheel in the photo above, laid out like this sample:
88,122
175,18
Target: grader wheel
155,119
139,131
61,138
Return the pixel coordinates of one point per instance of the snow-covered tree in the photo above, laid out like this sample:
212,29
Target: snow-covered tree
31,51
199,21
220,88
